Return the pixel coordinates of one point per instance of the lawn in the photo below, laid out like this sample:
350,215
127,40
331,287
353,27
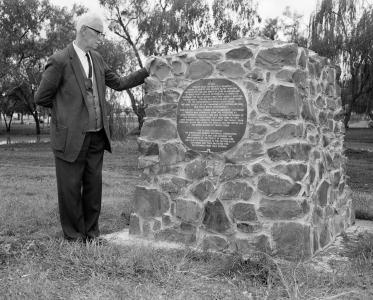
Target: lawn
36,263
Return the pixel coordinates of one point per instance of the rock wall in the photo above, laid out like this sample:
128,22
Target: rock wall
281,189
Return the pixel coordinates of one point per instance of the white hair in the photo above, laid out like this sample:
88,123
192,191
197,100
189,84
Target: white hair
89,19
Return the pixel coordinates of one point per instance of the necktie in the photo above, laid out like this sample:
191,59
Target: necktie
89,66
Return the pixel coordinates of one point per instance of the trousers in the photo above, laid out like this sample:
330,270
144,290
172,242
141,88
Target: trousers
79,186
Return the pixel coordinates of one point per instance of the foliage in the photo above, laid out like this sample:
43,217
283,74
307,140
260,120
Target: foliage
342,31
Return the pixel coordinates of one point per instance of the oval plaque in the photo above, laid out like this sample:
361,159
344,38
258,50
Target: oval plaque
212,115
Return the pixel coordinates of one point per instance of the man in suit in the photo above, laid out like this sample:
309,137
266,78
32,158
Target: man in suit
73,86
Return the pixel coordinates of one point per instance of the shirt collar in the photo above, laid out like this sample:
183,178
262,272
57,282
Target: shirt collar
78,50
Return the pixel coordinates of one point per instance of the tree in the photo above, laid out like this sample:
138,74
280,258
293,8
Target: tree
342,31
31,31
271,28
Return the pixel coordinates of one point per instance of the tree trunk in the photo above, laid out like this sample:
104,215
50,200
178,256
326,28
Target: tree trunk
37,123
138,109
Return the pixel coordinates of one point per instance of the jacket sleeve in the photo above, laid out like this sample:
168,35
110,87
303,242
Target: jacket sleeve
118,83
49,84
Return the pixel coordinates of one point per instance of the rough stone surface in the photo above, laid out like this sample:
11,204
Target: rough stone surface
188,211
278,57
159,129
322,193
231,69
214,242
286,132
239,53
147,148
202,190
234,171
235,190
244,212
134,225
281,102
294,171
199,69
215,218
246,151
296,151
196,169
171,153
150,202
275,185
281,209
292,240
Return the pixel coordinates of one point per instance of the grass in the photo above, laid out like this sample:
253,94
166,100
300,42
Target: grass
36,263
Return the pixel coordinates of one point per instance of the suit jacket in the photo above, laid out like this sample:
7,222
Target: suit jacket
63,90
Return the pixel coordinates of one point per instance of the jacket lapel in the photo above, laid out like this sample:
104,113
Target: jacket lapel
76,66
98,76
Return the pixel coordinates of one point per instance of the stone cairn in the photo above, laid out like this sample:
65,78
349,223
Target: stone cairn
280,189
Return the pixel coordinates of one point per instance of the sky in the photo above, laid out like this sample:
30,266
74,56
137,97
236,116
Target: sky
266,8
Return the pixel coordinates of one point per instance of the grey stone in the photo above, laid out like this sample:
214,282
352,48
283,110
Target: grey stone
199,69
188,211
275,185
160,69
244,212
286,132
245,152
159,129
146,147
281,209
231,69
280,102
215,218
257,132
308,112
234,171
295,171
292,240
302,62
248,227
147,161
166,220
278,57
256,75
171,153
202,190
178,67
162,111
285,75
177,234
324,235
196,169
322,193
170,96
157,225
210,55
153,98
289,152
233,190
258,169
239,53
150,202
214,242
152,84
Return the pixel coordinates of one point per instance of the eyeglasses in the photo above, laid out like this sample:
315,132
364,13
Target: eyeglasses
99,33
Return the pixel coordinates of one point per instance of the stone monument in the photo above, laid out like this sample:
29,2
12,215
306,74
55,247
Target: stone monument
242,151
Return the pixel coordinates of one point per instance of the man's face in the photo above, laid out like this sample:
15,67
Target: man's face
93,36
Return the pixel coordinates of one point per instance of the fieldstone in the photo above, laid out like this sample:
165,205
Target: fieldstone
320,102
312,88
150,202
166,220
302,62
178,67
202,190
199,69
295,171
300,79
324,234
188,211
245,152
233,171
308,112
270,121
231,69
162,111
173,184
210,55
289,152
152,84
257,132
146,231
248,227
233,190
159,129
171,96
177,234
281,209
285,75
286,132
256,75
331,104
336,178
196,169
147,161
278,57
215,218
160,69
292,240
134,227
280,102
312,174
146,147
247,65
275,185
244,212
153,98
258,169
171,153
239,53
215,243
322,193
253,244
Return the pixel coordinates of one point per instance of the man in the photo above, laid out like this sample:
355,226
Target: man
73,86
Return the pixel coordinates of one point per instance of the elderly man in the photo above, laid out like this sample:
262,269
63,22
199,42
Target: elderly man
73,86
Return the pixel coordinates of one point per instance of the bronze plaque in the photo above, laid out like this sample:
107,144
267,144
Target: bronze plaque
212,115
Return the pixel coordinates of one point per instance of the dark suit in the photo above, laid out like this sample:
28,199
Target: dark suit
78,153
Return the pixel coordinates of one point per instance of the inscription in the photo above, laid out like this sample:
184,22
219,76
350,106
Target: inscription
212,115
